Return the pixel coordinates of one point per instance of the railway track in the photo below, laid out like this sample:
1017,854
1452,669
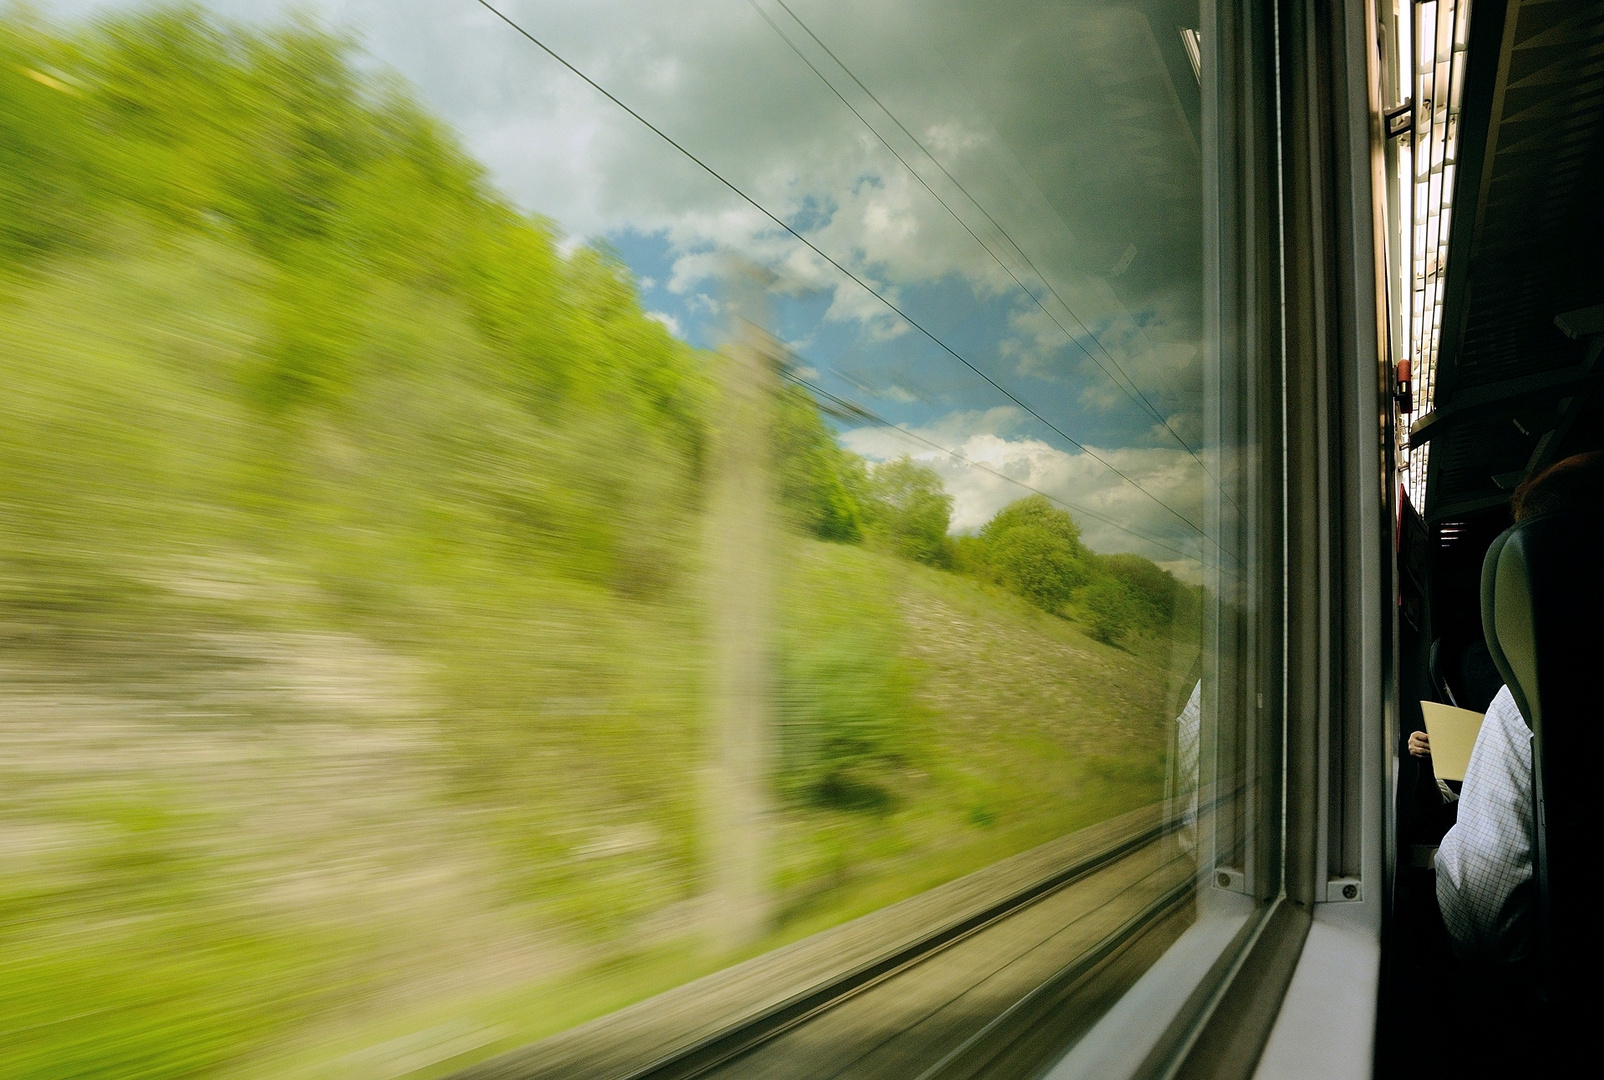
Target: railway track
1007,967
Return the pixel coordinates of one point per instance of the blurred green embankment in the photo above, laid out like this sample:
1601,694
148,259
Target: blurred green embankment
350,692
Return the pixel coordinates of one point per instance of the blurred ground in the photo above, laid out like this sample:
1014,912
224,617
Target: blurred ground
307,888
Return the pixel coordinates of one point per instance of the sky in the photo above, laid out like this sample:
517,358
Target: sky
1020,183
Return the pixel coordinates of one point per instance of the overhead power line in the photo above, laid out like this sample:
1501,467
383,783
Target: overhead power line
910,320
995,224
1133,392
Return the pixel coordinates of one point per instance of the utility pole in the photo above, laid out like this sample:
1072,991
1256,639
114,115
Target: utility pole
739,557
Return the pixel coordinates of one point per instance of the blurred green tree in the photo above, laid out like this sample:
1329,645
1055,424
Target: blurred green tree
1034,548
817,476
909,511
47,175
1039,511
1108,609
1152,592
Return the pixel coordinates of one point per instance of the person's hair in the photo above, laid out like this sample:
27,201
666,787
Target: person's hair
1573,484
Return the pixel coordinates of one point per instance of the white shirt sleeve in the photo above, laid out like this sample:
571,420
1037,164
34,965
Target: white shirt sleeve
1484,864
1188,727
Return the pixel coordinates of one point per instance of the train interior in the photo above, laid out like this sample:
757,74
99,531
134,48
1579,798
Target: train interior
1516,389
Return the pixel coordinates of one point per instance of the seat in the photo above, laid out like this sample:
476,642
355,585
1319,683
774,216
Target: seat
1478,680
1440,690
1543,619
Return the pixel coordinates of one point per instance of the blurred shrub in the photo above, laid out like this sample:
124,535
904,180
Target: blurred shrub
1151,592
908,511
817,476
848,719
1109,610
46,174
1034,548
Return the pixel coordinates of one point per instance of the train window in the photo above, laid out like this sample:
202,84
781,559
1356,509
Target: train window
587,540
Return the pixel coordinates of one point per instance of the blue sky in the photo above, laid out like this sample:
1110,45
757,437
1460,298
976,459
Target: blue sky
909,378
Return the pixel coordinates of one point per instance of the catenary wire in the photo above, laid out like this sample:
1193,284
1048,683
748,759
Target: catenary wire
1133,392
660,133
1151,408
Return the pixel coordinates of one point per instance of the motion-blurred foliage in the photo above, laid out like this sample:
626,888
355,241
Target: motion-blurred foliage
355,207
822,485
908,512
848,718
1034,549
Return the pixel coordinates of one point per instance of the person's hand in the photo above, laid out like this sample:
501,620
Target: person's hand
1419,744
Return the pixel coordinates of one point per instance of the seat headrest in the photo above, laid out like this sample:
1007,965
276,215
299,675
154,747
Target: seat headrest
1542,584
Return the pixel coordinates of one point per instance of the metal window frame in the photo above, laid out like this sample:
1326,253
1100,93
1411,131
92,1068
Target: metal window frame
1339,566
1296,280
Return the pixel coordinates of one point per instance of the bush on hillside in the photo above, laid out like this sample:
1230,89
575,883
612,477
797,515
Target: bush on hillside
1039,511
1108,610
817,477
909,511
1036,563
848,713
1151,590
1034,549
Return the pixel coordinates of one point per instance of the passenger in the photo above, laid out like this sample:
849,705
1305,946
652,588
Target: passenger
1484,864
1479,683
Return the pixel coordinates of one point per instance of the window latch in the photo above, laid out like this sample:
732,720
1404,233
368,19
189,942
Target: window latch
1400,120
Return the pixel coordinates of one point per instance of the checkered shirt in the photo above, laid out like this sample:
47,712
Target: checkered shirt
1484,864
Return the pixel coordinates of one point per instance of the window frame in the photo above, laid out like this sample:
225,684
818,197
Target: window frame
1296,286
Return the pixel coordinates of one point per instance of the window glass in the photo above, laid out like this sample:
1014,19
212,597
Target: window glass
510,509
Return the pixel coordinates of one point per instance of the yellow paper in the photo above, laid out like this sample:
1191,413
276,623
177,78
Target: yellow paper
1453,736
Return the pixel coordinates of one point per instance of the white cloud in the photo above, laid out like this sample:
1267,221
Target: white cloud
667,320
1169,476
853,302
703,302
